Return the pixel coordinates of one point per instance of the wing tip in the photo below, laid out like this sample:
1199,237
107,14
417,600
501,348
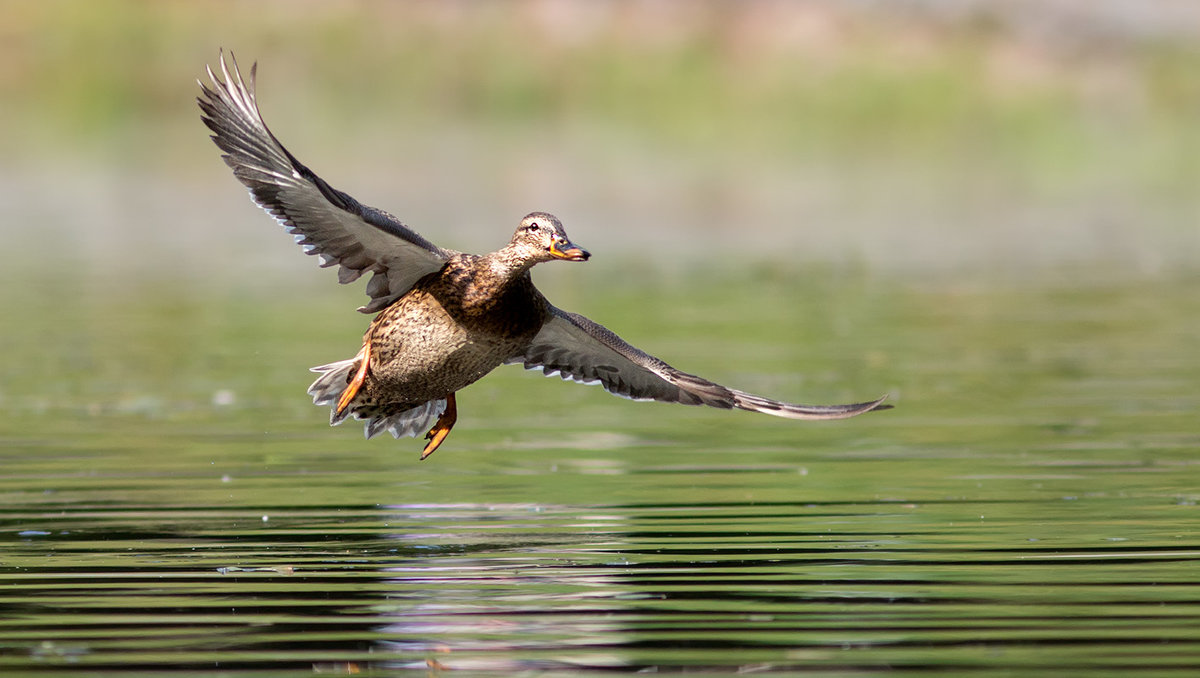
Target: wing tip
855,409
812,412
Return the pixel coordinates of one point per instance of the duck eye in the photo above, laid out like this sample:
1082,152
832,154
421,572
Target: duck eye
533,226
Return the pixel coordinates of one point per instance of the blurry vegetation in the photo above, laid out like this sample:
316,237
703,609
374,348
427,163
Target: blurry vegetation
137,295
761,77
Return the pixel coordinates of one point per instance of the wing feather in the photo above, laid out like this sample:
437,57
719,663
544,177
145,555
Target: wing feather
324,221
578,349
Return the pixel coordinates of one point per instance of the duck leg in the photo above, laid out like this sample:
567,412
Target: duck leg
442,428
359,377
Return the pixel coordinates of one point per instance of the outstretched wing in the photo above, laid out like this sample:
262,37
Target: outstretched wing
327,222
578,349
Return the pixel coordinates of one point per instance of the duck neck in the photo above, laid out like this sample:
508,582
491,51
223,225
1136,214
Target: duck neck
508,264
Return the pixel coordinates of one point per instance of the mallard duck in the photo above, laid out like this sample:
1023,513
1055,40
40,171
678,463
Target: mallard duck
444,318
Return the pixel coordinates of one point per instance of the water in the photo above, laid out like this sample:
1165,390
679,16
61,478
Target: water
171,503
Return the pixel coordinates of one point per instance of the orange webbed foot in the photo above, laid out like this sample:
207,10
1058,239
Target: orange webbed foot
442,428
356,383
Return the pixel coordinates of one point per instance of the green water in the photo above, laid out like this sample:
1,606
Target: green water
170,501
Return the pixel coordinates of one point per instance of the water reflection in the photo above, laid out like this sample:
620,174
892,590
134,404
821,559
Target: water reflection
506,587
1011,516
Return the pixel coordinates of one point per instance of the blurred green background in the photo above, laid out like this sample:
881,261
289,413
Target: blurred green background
988,209
846,160
918,137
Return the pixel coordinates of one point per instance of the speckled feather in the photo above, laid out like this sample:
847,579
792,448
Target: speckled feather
452,328
445,318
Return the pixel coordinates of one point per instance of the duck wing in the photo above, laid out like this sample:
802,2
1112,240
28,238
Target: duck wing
578,349
328,223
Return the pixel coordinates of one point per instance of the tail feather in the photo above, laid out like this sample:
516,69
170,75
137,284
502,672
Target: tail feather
329,386
411,422
399,420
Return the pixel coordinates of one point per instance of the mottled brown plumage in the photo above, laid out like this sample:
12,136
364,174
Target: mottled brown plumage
445,318
476,317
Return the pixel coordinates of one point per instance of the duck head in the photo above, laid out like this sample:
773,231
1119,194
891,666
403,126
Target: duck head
541,237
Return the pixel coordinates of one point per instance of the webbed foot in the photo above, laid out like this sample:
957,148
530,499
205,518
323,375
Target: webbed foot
356,383
442,428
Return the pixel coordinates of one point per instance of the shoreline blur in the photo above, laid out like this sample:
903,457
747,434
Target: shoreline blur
899,138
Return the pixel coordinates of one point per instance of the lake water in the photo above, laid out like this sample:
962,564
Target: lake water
171,502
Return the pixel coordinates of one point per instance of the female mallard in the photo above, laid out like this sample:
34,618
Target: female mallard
445,318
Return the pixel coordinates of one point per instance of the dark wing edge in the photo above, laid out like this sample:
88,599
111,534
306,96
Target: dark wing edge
323,220
578,349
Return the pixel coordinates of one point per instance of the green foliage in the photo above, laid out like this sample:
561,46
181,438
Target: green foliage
107,75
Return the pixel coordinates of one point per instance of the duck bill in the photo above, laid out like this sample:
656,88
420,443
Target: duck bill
568,250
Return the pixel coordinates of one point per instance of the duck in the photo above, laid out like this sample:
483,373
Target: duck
443,319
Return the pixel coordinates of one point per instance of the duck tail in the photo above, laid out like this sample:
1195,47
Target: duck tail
398,419
328,387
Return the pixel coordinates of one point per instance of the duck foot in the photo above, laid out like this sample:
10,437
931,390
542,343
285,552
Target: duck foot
442,428
356,383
